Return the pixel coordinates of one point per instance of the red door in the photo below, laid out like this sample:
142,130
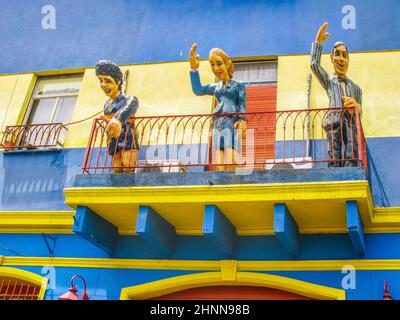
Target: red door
262,99
232,293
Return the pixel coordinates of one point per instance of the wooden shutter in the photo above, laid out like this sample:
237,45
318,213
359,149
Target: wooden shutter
262,99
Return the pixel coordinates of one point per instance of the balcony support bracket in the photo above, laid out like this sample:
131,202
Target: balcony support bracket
155,230
286,229
219,230
355,227
95,229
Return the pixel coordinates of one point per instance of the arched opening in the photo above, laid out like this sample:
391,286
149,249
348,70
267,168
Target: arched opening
232,293
18,284
200,285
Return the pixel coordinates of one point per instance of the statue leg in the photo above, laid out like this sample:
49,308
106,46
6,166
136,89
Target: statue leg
230,156
129,160
350,143
117,162
220,159
334,137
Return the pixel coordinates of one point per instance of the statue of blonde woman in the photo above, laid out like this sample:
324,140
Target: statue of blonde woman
230,97
122,143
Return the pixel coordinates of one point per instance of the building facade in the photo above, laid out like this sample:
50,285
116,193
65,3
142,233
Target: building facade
183,230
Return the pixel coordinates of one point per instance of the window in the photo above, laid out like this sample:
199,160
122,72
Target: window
53,102
54,99
256,73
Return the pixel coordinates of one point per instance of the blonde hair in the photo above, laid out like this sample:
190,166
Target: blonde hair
225,57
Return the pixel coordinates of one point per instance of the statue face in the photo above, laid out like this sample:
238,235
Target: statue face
340,60
109,86
219,68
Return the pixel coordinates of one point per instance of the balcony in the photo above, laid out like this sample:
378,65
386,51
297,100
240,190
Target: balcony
33,136
282,139
278,184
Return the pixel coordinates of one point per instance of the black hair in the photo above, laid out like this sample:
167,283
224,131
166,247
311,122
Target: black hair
109,68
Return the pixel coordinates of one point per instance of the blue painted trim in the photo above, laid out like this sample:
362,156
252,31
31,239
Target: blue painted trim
355,227
95,229
286,228
155,230
219,230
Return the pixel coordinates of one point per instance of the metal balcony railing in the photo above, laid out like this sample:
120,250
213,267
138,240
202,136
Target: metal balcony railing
34,136
281,139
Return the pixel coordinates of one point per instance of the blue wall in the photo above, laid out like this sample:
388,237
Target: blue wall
383,163
35,180
312,247
107,283
130,31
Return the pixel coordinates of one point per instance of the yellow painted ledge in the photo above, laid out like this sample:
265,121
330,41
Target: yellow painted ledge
234,192
316,206
25,276
202,265
386,216
179,283
23,222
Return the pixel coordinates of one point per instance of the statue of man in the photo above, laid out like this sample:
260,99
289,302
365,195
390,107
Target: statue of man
121,139
340,126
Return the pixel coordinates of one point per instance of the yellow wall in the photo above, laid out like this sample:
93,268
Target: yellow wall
164,89
15,92
377,73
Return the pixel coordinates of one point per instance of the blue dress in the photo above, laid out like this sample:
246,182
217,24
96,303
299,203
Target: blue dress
231,98
123,108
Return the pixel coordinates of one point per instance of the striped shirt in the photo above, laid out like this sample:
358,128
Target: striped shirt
332,83
122,108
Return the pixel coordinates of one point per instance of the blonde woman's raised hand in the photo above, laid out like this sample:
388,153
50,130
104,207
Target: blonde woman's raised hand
193,58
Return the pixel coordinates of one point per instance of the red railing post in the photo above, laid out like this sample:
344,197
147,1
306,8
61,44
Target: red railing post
88,148
362,146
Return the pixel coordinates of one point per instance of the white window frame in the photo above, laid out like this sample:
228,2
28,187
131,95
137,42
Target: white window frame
38,97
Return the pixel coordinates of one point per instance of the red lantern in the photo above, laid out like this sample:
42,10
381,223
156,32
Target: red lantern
71,294
386,295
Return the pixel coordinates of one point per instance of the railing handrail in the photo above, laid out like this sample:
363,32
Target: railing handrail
237,113
288,125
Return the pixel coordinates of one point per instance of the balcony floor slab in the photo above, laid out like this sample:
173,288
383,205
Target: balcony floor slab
316,198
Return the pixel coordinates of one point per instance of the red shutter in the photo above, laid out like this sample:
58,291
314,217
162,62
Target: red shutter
262,99
232,293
